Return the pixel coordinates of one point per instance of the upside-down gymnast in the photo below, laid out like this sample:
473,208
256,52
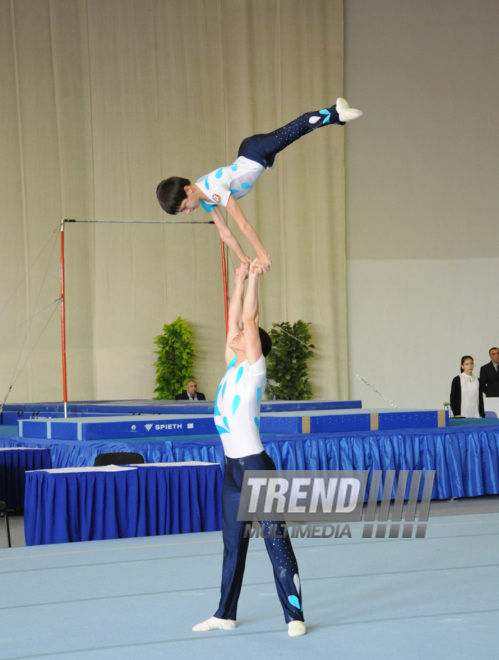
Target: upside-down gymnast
227,184
237,417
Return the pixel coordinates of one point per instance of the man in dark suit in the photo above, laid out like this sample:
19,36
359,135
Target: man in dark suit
489,374
190,393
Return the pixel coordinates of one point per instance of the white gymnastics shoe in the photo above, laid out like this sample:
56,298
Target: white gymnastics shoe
345,112
296,628
214,624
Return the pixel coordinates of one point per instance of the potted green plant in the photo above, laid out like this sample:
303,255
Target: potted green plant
287,362
175,359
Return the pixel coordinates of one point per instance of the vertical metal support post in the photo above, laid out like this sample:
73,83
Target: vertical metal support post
63,328
226,292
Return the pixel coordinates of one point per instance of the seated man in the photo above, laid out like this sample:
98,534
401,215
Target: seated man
191,393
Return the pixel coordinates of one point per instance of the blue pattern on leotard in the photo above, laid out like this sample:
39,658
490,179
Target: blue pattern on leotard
235,403
216,410
206,206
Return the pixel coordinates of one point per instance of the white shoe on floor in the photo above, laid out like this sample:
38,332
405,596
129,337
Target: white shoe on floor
345,112
214,624
296,628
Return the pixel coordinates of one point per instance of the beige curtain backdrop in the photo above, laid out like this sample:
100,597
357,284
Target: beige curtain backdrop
100,100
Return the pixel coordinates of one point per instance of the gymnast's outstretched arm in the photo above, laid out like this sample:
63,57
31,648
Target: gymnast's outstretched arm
236,212
227,236
235,320
251,314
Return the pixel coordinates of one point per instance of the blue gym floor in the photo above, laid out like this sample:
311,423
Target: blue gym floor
138,598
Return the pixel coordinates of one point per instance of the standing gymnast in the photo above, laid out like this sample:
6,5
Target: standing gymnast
237,417
227,184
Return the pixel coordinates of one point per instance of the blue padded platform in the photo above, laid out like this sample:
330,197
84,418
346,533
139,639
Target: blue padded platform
287,422
124,426
13,412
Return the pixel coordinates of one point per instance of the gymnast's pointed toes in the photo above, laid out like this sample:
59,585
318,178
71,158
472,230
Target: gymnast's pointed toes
345,112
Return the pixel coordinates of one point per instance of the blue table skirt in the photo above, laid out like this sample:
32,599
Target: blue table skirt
13,466
466,459
142,501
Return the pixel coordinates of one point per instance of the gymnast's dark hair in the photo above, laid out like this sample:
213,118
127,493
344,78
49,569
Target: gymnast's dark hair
266,342
171,193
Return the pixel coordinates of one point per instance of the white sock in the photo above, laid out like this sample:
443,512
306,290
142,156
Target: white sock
345,112
296,628
213,623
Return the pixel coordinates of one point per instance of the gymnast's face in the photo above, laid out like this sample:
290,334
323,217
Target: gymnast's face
190,203
238,343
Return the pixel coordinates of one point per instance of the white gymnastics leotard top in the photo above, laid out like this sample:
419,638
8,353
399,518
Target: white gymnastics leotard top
237,407
236,179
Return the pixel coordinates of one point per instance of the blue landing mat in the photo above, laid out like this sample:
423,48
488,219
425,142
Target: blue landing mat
432,598
288,422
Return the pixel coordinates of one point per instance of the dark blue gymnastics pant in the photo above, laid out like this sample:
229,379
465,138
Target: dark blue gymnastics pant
264,147
280,550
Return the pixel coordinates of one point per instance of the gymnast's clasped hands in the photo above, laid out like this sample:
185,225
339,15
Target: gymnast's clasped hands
258,266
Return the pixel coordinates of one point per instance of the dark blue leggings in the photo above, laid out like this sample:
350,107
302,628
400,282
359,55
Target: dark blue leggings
264,147
280,550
